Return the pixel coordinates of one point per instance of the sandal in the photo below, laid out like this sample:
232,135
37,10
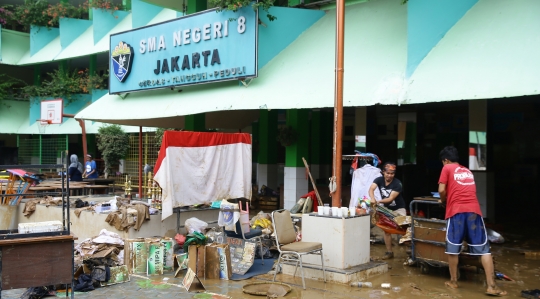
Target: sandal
451,284
497,293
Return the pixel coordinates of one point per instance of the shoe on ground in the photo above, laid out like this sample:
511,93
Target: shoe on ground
388,255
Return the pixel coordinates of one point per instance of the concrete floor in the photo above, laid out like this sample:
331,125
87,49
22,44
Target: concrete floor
410,281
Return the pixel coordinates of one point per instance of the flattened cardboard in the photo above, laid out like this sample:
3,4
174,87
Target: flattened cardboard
137,256
192,283
181,261
196,259
155,256
218,261
118,275
168,254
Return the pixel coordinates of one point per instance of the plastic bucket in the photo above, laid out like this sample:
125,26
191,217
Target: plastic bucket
8,219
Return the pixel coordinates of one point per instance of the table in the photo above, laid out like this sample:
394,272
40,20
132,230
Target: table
36,261
187,210
101,189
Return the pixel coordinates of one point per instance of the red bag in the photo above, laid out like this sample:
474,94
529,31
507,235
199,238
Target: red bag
389,226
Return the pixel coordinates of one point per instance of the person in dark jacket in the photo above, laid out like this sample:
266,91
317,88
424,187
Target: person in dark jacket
75,169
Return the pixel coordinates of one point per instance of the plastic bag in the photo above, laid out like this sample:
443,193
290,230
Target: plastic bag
195,225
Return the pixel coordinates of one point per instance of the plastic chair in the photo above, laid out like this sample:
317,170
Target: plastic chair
289,249
252,235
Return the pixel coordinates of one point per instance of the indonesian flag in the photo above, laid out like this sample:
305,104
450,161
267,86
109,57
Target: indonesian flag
195,168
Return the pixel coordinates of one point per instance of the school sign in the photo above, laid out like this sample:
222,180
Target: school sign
200,48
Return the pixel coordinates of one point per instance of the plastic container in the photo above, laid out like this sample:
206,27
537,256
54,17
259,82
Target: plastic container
385,285
361,284
320,210
352,211
244,218
345,212
326,211
396,289
40,227
335,211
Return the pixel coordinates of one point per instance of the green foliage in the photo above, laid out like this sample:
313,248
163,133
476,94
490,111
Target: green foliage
234,5
287,136
7,86
113,144
66,84
104,4
41,13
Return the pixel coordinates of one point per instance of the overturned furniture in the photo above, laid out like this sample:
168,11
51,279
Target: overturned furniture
40,257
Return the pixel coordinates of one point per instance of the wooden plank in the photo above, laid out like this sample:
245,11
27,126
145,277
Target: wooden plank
430,234
39,264
21,241
430,252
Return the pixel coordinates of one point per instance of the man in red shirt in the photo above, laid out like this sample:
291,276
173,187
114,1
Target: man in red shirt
464,218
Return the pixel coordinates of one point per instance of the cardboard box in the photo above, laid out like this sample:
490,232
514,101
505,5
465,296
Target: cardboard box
136,256
82,269
168,254
196,255
155,256
218,261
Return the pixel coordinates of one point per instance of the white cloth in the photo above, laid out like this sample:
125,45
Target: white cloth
108,237
196,167
362,179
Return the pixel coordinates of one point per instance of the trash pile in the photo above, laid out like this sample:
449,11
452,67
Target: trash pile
96,258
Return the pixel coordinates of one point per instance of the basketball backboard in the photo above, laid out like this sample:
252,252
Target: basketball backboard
53,110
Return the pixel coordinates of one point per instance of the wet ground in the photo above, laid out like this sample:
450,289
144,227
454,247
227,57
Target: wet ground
509,257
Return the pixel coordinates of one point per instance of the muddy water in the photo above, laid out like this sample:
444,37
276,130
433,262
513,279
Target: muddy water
413,284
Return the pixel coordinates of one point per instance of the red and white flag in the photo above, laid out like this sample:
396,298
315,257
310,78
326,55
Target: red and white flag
197,167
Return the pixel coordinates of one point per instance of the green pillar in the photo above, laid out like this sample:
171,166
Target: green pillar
327,129
255,141
298,120
195,122
37,75
40,150
90,145
90,12
194,6
267,137
316,131
92,66
63,65
126,4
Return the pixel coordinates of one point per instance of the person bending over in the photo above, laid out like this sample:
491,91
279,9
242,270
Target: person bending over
464,218
390,189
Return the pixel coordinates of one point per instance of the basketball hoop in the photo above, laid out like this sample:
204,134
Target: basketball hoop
42,125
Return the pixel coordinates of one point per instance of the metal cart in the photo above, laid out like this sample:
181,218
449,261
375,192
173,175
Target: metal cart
428,241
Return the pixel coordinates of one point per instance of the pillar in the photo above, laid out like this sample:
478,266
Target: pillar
126,4
316,138
296,183
267,157
194,6
254,150
326,144
360,129
195,122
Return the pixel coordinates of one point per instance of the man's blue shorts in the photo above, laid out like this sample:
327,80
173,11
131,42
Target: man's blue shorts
468,227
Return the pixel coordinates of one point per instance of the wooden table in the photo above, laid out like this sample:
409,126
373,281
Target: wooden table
36,261
97,189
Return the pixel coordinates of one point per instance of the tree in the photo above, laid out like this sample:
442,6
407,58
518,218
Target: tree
113,143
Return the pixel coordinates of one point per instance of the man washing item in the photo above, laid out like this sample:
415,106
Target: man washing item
390,189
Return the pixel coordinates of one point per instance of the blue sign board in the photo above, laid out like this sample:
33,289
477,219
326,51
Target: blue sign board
199,48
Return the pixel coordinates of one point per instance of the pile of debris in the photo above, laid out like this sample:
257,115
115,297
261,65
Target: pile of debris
98,260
